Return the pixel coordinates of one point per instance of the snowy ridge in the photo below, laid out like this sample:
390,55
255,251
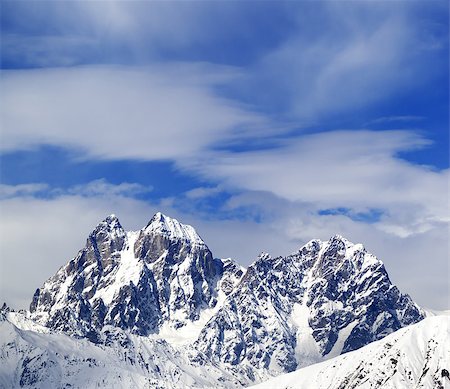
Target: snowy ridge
38,360
417,356
288,312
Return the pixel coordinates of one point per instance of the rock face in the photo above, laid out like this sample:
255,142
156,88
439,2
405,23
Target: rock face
163,273
4,310
326,299
185,271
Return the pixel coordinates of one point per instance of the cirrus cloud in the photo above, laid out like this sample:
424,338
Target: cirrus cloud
114,112
359,170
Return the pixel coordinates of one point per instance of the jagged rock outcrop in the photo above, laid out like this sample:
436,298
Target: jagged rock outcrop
4,310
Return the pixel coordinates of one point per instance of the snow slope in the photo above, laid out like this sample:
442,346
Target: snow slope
417,356
45,359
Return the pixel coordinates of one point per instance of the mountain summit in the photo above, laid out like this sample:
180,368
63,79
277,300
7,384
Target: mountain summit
173,230
328,298
139,280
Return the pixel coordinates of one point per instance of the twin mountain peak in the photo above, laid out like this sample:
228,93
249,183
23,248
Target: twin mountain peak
278,314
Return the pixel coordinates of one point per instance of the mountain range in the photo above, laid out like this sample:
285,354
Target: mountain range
154,308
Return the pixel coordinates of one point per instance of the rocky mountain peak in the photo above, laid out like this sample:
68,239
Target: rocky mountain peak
107,238
111,219
109,227
161,275
4,310
327,298
172,229
338,253
264,256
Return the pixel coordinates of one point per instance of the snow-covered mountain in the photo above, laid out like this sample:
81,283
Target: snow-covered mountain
162,275
326,299
160,291
417,356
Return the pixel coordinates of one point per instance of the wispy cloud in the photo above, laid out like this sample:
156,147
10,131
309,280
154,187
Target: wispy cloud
21,190
96,188
397,119
137,32
349,56
358,170
47,50
202,192
118,112
103,188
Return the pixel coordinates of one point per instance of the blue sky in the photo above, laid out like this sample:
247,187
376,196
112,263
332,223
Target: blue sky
264,124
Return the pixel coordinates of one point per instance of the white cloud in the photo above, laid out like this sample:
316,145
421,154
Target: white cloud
159,112
202,192
396,119
21,190
347,56
103,188
358,170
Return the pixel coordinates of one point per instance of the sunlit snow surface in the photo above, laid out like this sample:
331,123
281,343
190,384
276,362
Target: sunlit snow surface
163,224
33,357
413,357
128,270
